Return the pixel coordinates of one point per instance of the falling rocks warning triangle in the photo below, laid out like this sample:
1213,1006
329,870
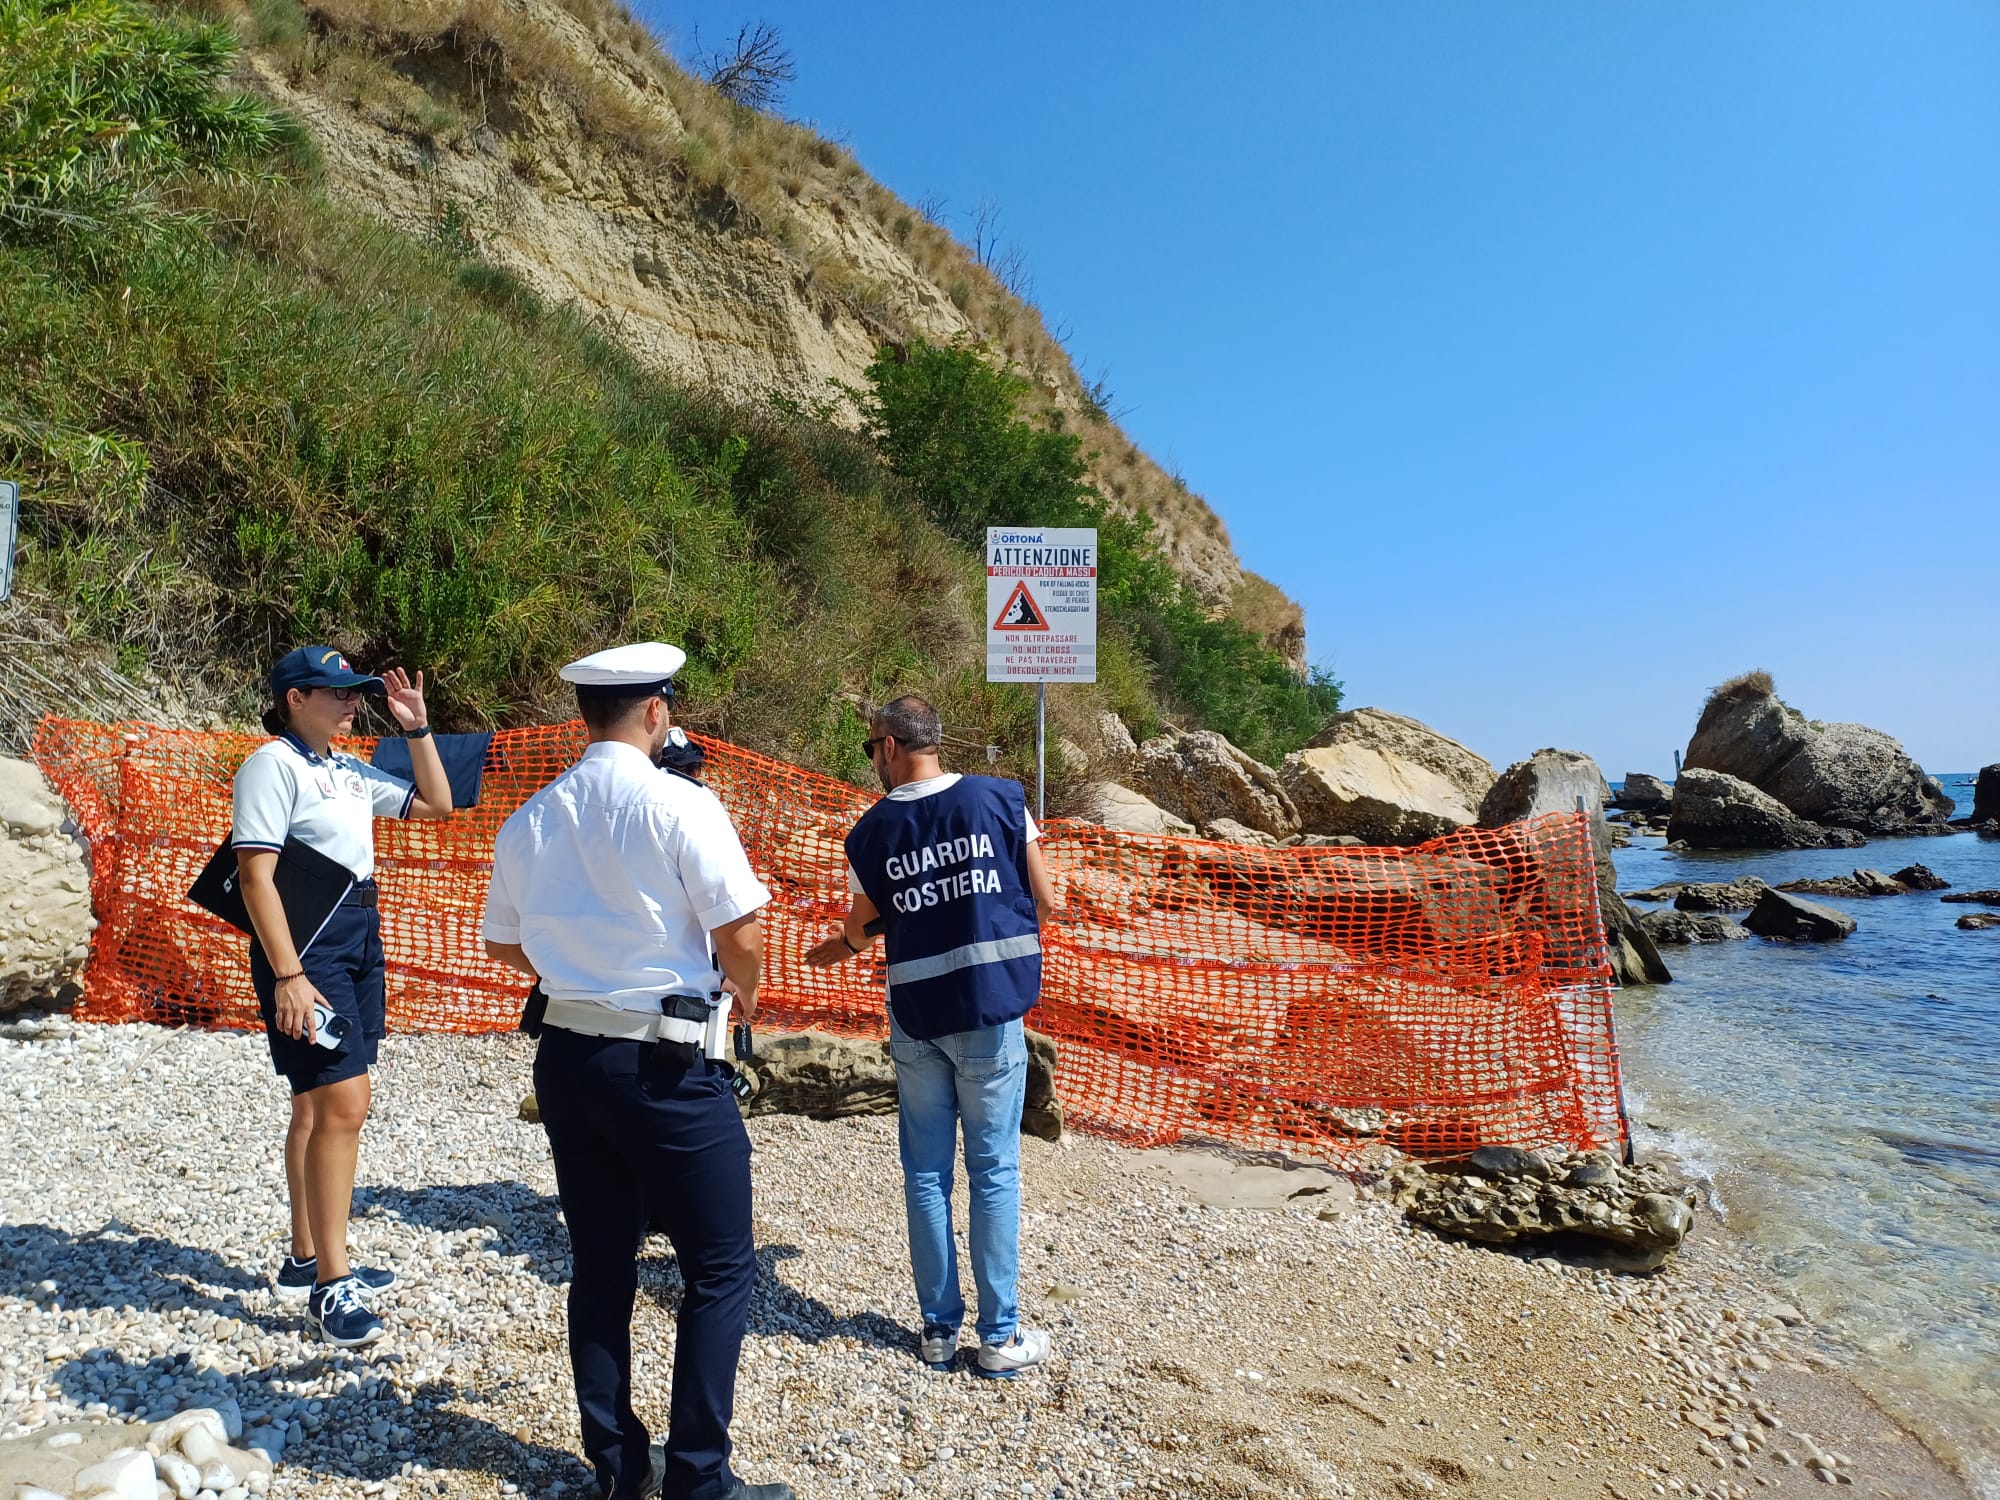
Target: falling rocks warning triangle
1020,612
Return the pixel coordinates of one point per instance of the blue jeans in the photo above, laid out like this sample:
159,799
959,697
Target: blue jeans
977,1077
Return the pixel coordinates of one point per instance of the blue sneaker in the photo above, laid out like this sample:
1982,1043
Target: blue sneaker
297,1278
339,1316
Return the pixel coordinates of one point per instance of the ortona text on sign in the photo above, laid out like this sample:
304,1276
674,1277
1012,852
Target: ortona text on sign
1041,604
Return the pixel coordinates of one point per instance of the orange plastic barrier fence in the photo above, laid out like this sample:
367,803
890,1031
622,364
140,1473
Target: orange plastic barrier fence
1317,1001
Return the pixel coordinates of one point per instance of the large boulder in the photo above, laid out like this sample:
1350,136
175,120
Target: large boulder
1406,739
1375,797
1556,781
1842,775
1860,883
1199,776
1714,810
45,919
1121,808
1643,793
1986,795
1639,1214
1706,895
1796,920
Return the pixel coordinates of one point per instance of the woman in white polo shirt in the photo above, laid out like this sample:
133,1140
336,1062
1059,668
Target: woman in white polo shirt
298,786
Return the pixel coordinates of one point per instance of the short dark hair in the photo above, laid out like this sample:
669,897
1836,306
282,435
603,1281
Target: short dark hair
911,721
602,714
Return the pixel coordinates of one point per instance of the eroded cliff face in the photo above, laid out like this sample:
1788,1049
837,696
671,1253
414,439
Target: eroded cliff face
542,134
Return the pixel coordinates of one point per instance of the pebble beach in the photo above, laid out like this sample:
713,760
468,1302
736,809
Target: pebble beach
1222,1327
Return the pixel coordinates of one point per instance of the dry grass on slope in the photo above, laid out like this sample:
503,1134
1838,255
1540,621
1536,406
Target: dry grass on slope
441,71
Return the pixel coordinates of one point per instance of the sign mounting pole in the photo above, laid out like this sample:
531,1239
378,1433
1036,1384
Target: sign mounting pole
1041,617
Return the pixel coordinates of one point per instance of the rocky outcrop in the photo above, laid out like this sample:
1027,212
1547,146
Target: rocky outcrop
1407,739
1679,928
1793,919
1384,779
1974,898
1714,810
1860,883
1643,793
1109,749
1986,795
45,918
1200,776
1229,831
1121,808
1636,1216
1556,781
1975,921
1841,775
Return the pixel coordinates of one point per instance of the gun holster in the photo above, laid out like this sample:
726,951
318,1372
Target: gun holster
533,1009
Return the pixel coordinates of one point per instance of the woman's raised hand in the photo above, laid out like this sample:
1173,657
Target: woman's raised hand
406,698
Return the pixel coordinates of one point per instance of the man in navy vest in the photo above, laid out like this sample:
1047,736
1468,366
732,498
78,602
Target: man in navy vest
950,862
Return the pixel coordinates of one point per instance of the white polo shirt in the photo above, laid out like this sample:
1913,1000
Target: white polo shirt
327,802
611,878
915,791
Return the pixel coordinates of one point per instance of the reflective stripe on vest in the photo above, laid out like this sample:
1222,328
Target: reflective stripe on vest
999,950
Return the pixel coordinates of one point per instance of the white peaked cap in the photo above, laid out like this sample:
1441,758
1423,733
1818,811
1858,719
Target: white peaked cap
642,665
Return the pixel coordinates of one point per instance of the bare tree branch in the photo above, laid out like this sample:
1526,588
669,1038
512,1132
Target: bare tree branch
754,70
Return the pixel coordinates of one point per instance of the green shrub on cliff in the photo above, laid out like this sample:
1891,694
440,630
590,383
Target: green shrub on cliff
99,100
947,422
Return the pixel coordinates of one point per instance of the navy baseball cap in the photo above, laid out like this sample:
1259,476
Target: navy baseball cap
317,667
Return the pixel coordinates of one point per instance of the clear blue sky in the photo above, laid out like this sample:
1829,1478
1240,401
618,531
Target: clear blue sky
1562,360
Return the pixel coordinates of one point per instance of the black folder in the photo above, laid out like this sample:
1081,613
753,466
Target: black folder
310,887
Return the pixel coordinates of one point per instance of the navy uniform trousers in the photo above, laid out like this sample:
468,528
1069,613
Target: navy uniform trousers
642,1132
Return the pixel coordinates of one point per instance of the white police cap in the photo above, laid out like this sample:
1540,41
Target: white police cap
626,671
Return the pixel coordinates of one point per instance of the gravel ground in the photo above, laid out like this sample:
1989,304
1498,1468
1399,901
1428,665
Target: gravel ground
1313,1346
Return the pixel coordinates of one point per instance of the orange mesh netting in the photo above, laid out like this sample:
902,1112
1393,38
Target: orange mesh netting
1318,1001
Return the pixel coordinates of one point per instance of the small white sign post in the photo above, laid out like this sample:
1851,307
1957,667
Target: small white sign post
1041,615
10,532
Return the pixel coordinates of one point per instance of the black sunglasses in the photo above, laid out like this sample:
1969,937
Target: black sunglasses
341,694
868,746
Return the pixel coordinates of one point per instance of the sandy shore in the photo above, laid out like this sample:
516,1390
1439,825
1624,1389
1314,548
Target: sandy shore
1221,1330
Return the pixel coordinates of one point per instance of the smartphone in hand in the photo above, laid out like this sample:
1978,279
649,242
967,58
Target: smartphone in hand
330,1028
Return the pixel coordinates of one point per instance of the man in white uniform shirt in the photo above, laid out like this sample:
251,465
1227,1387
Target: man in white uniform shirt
609,885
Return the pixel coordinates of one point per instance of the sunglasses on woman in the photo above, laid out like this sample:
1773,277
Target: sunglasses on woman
341,695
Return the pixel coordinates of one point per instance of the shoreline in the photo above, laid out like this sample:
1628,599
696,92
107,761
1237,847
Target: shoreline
1316,1346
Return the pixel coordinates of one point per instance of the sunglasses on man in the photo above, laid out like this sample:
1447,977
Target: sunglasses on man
341,695
869,747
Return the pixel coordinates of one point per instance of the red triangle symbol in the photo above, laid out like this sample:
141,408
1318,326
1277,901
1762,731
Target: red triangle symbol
1020,612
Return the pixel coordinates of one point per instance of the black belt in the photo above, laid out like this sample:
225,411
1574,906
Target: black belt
361,893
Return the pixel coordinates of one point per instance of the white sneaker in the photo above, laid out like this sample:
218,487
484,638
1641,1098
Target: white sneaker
938,1347
1026,1349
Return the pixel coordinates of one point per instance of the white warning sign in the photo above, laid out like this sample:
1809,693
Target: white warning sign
1041,604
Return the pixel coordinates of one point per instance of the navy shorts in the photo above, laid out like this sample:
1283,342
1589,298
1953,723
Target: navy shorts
344,964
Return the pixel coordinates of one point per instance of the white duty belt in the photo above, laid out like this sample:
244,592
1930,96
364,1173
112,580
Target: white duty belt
640,1026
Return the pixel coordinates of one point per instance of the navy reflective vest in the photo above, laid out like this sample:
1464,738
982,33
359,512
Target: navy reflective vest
950,873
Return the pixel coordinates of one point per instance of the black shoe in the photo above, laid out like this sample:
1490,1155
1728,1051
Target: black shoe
656,1475
296,1278
339,1316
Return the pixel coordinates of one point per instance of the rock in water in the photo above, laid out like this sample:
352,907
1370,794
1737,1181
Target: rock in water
1973,898
1555,781
1678,928
1842,775
1973,921
1860,883
1921,878
1643,793
1639,1213
1795,920
1986,794
1713,810
1200,776
1705,895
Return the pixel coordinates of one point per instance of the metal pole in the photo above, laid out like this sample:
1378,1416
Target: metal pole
1041,745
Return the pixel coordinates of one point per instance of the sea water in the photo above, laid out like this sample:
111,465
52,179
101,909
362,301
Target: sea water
1843,1099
